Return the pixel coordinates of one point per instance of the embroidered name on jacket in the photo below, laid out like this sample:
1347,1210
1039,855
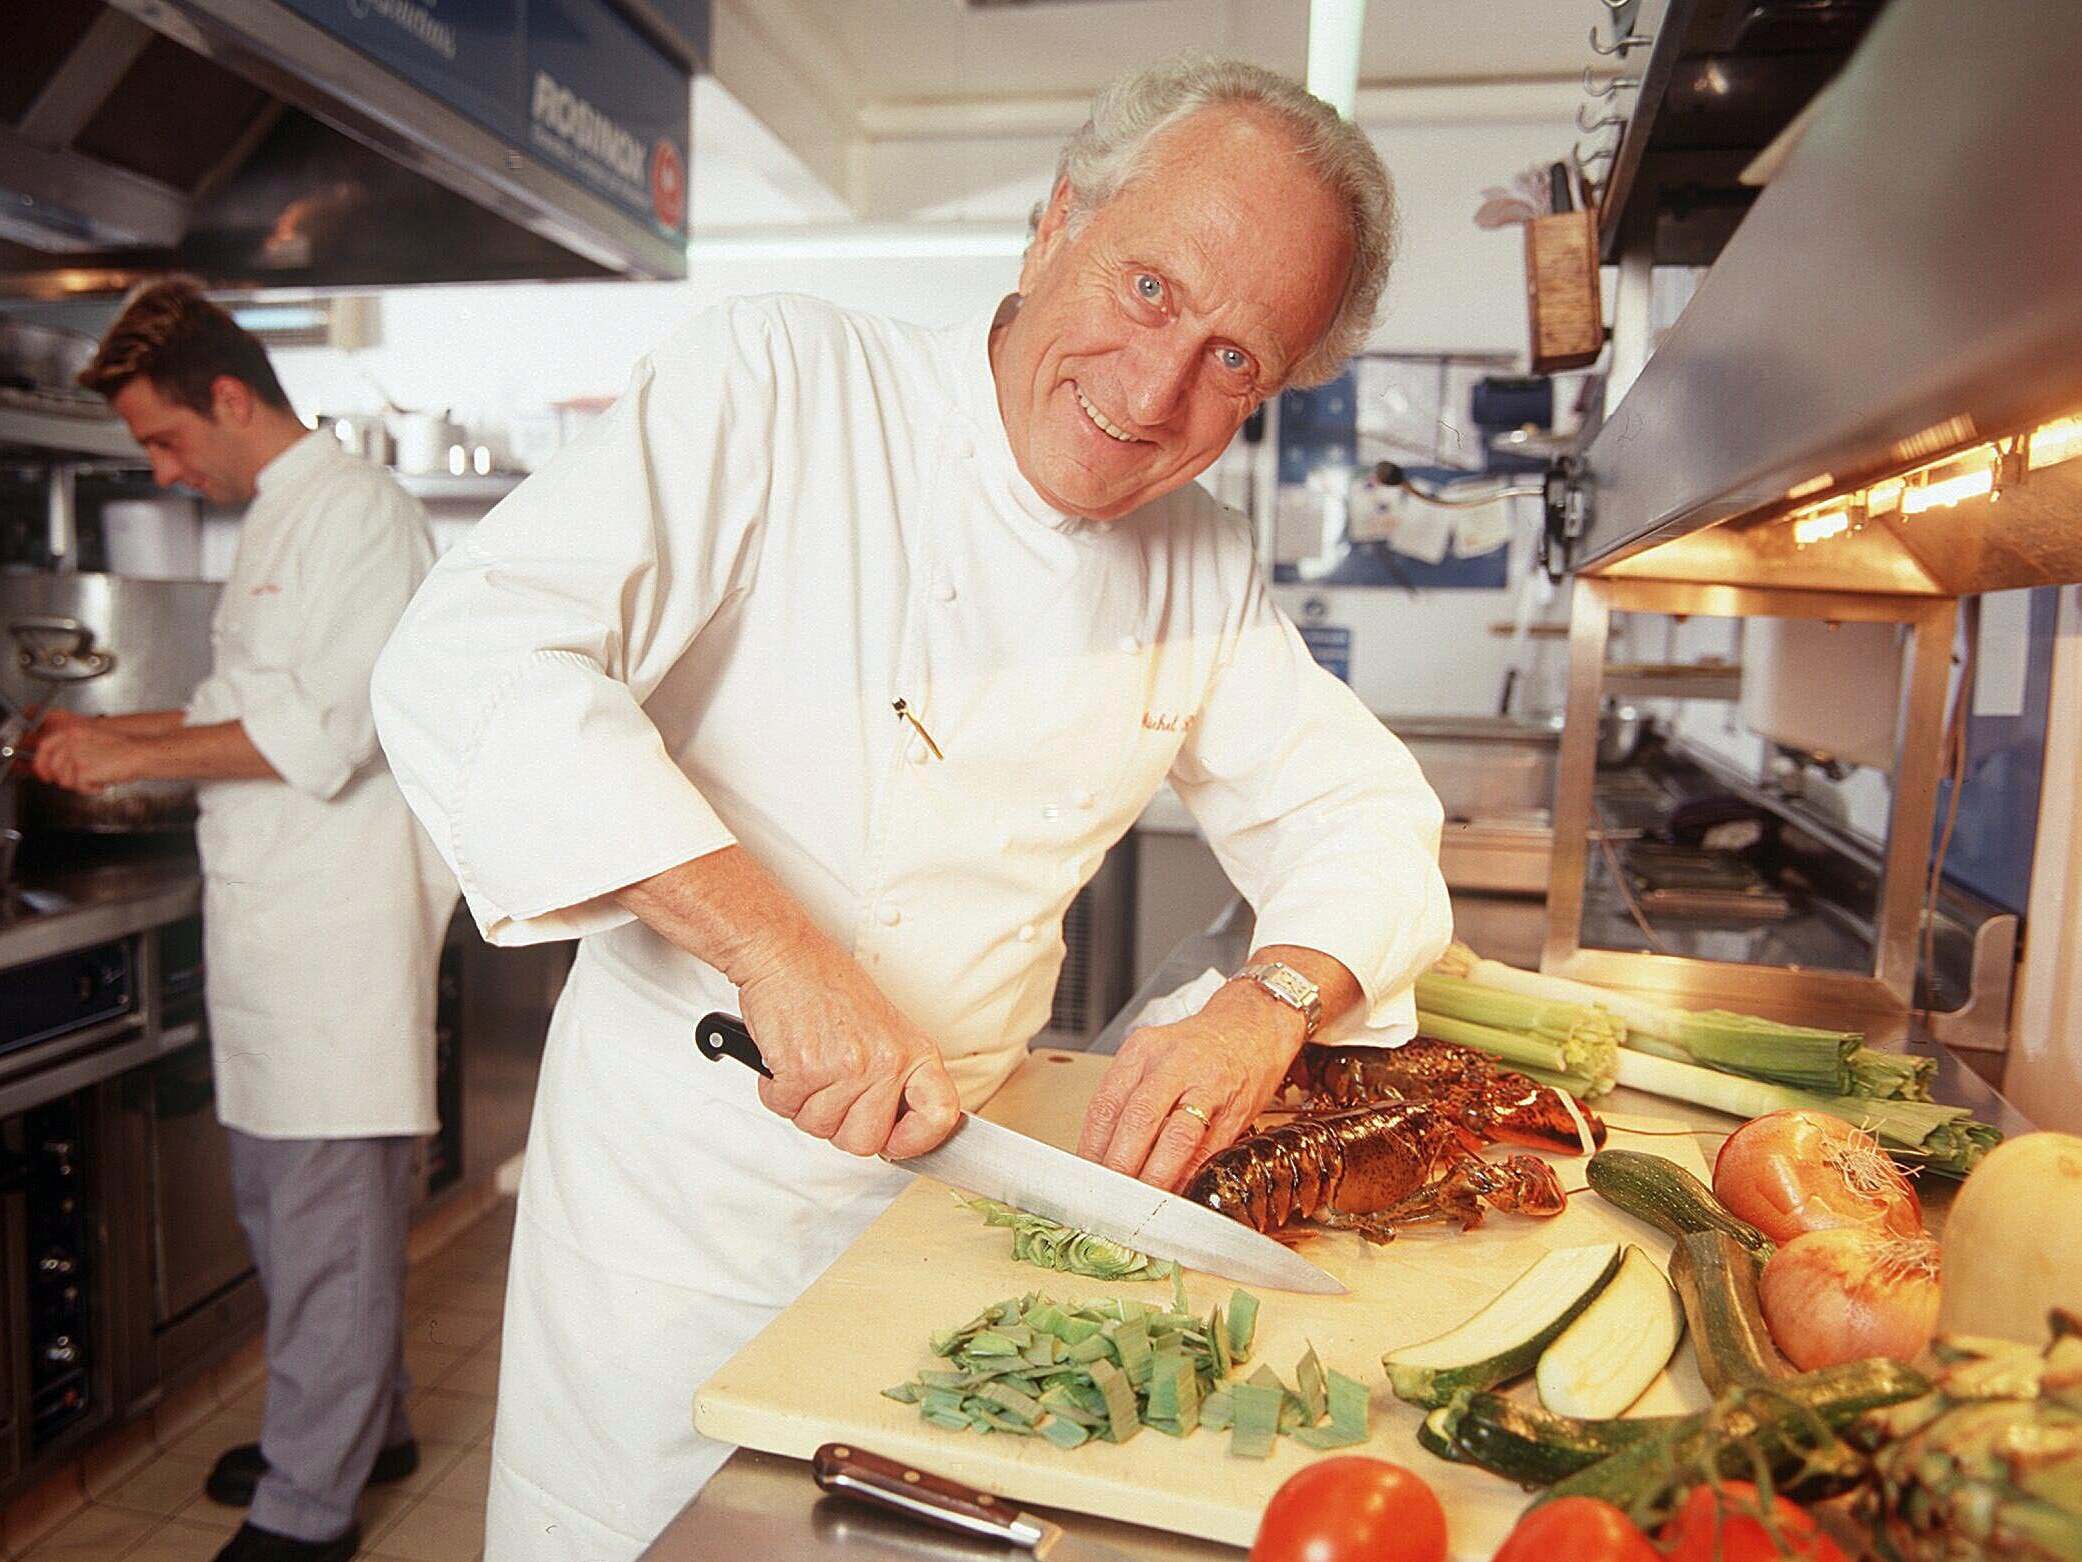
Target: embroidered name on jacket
1167,721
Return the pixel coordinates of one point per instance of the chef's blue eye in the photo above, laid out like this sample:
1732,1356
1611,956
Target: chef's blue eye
1148,288
1233,360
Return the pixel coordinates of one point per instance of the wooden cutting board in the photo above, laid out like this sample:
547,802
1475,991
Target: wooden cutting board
816,1373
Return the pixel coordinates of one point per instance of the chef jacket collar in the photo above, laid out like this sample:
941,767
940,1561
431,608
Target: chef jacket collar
301,460
979,397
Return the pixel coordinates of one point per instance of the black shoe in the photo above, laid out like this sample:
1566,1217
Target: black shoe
254,1544
238,1471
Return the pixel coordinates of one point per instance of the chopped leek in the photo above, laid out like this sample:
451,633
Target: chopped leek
1043,1243
1255,1409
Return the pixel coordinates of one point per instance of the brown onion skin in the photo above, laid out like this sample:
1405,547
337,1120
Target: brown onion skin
1825,1304
1773,1173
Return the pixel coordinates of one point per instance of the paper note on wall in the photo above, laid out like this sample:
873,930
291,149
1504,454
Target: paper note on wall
2003,657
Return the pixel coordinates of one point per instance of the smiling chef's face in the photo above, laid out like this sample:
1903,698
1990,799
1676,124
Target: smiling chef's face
1145,338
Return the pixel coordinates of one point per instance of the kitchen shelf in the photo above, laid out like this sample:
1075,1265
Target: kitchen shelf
471,488
64,433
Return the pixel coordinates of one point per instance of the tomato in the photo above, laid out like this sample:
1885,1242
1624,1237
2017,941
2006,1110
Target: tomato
1577,1529
1721,1524
1792,1172
1352,1509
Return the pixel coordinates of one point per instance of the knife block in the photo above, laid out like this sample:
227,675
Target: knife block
1561,285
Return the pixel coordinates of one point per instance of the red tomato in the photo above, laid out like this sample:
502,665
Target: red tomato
1577,1529
1721,1524
1352,1509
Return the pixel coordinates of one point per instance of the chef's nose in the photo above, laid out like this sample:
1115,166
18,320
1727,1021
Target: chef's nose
1158,372
166,471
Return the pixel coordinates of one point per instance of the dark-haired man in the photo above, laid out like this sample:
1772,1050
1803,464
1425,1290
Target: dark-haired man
324,902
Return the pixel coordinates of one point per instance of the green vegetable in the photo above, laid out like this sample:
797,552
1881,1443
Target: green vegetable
1531,1445
1049,1246
1944,1138
1756,1432
1560,1035
1717,1282
1505,1338
1659,1191
1256,1408
1605,1360
1990,1463
1349,1417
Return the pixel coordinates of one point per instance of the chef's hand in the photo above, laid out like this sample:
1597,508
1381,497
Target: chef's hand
846,1061
1227,1062
85,756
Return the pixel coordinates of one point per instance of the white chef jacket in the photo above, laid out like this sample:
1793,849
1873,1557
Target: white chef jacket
324,903
690,630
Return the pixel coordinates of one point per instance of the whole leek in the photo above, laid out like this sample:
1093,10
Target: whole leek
1560,1037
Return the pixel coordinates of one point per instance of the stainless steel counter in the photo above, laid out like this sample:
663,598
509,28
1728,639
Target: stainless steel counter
61,909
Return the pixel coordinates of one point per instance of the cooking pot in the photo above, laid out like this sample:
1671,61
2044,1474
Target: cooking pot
103,645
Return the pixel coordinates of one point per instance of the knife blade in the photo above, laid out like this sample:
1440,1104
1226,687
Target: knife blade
844,1470
1000,1163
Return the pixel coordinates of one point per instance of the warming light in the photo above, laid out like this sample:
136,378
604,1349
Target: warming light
1821,524
2053,443
1946,492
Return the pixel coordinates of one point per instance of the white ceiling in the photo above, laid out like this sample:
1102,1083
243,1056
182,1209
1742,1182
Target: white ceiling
947,50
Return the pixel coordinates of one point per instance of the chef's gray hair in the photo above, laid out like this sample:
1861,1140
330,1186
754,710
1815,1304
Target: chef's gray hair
1128,116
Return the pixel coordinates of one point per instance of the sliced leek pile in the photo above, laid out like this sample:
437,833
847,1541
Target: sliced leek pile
1047,1245
1029,1367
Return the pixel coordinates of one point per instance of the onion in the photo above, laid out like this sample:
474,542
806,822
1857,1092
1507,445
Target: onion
1791,1172
1848,1293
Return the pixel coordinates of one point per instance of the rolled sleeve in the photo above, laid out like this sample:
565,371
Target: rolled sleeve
1320,817
288,726
511,699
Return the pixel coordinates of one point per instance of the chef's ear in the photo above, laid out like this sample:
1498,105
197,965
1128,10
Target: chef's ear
231,401
1049,235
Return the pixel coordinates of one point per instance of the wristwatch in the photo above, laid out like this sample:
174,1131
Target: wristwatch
1290,987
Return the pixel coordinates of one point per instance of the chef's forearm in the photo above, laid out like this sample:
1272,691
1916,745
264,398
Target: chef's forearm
726,909
146,723
219,752
1336,987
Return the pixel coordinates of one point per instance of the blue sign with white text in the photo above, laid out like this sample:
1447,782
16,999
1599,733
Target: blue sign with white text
573,83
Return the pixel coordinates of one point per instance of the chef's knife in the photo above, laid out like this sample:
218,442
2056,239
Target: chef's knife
987,1158
853,1472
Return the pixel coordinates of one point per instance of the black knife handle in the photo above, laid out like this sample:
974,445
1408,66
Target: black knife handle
845,1470
721,1035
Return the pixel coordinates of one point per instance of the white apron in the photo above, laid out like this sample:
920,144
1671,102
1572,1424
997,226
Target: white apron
688,631
324,902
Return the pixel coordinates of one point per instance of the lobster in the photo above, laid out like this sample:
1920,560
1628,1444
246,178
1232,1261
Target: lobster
1370,1170
1490,1101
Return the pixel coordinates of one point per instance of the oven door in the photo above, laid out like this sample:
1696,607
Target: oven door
199,1248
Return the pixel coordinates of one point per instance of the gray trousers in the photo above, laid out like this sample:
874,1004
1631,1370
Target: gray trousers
327,1221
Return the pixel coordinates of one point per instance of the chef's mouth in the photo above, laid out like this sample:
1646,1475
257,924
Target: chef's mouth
1100,421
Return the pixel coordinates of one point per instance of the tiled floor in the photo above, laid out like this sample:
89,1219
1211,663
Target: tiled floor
452,1306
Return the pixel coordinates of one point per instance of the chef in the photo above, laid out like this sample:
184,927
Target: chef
815,681
324,904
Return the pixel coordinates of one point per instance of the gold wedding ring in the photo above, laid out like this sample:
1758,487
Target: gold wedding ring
1191,1110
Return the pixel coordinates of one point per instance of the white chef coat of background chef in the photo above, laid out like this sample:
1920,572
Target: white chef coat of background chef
689,630
324,903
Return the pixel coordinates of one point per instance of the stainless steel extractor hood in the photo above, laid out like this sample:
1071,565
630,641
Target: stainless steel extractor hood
1877,385
341,143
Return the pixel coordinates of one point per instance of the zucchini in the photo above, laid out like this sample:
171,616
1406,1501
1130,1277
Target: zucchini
1773,1423
1435,1434
1605,1360
1668,1197
1718,1285
1536,1447
1505,1338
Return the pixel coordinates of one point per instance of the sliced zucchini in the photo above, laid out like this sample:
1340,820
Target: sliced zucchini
1605,1360
1504,1339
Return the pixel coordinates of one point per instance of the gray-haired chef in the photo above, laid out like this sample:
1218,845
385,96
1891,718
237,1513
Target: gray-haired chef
814,683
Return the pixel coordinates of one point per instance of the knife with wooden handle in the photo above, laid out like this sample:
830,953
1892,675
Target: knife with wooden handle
846,1471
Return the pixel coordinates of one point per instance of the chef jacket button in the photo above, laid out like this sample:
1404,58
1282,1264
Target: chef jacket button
1130,644
1026,932
943,590
1086,799
965,448
916,753
1101,528
888,914
1050,811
